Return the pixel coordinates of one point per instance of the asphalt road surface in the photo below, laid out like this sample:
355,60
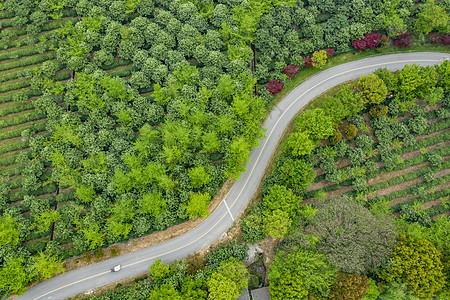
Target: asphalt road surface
212,228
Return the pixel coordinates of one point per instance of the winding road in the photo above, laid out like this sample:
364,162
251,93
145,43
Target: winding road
135,263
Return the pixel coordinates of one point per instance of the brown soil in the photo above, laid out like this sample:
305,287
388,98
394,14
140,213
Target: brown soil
406,184
149,240
382,177
430,204
411,196
447,213
23,125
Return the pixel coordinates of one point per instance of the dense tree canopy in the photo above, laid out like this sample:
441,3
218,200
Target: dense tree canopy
418,264
346,232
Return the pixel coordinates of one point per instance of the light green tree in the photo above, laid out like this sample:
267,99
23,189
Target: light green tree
160,271
198,205
418,264
165,291
288,287
319,59
9,232
46,265
373,88
199,176
13,275
431,17
276,223
316,123
312,267
300,143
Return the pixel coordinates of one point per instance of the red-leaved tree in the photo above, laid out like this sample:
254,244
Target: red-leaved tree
370,41
274,86
439,38
291,70
403,40
330,52
308,61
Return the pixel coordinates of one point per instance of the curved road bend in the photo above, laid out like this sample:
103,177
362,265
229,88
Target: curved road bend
135,263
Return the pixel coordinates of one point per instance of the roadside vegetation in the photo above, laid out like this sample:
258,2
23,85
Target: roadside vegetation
122,118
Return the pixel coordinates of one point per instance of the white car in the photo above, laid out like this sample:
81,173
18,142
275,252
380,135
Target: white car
116,268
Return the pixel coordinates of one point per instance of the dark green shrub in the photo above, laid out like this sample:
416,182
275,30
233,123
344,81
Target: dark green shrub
364,142
428,176
334,177
224,252
400,130
384,135
417,111
379,122
434,159
328,166
251,227
391,160
371,166
357,120
336,137
394,108
357,156
341,149
418,124
383,148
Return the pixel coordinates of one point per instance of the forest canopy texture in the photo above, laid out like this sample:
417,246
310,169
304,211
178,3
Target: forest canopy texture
146,108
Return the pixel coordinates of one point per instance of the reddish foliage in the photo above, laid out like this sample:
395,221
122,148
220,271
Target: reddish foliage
370,40
435,38
291,70
403,40
274,86
439,38
308,61
330,52
446,39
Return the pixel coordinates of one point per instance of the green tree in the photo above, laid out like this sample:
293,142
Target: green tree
152,203
312,267
199,176
165,291
443,71
350,287
93,236
373,88
319,59
297,174
13,275
289,287
354,240
300,143
395,290
418,264
193,289
236,271
276,223
198,205
280,197
160,271
45,219
46,265
431,17
316,123
221,287
9,231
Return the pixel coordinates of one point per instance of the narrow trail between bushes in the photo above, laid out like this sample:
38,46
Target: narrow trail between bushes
235,202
